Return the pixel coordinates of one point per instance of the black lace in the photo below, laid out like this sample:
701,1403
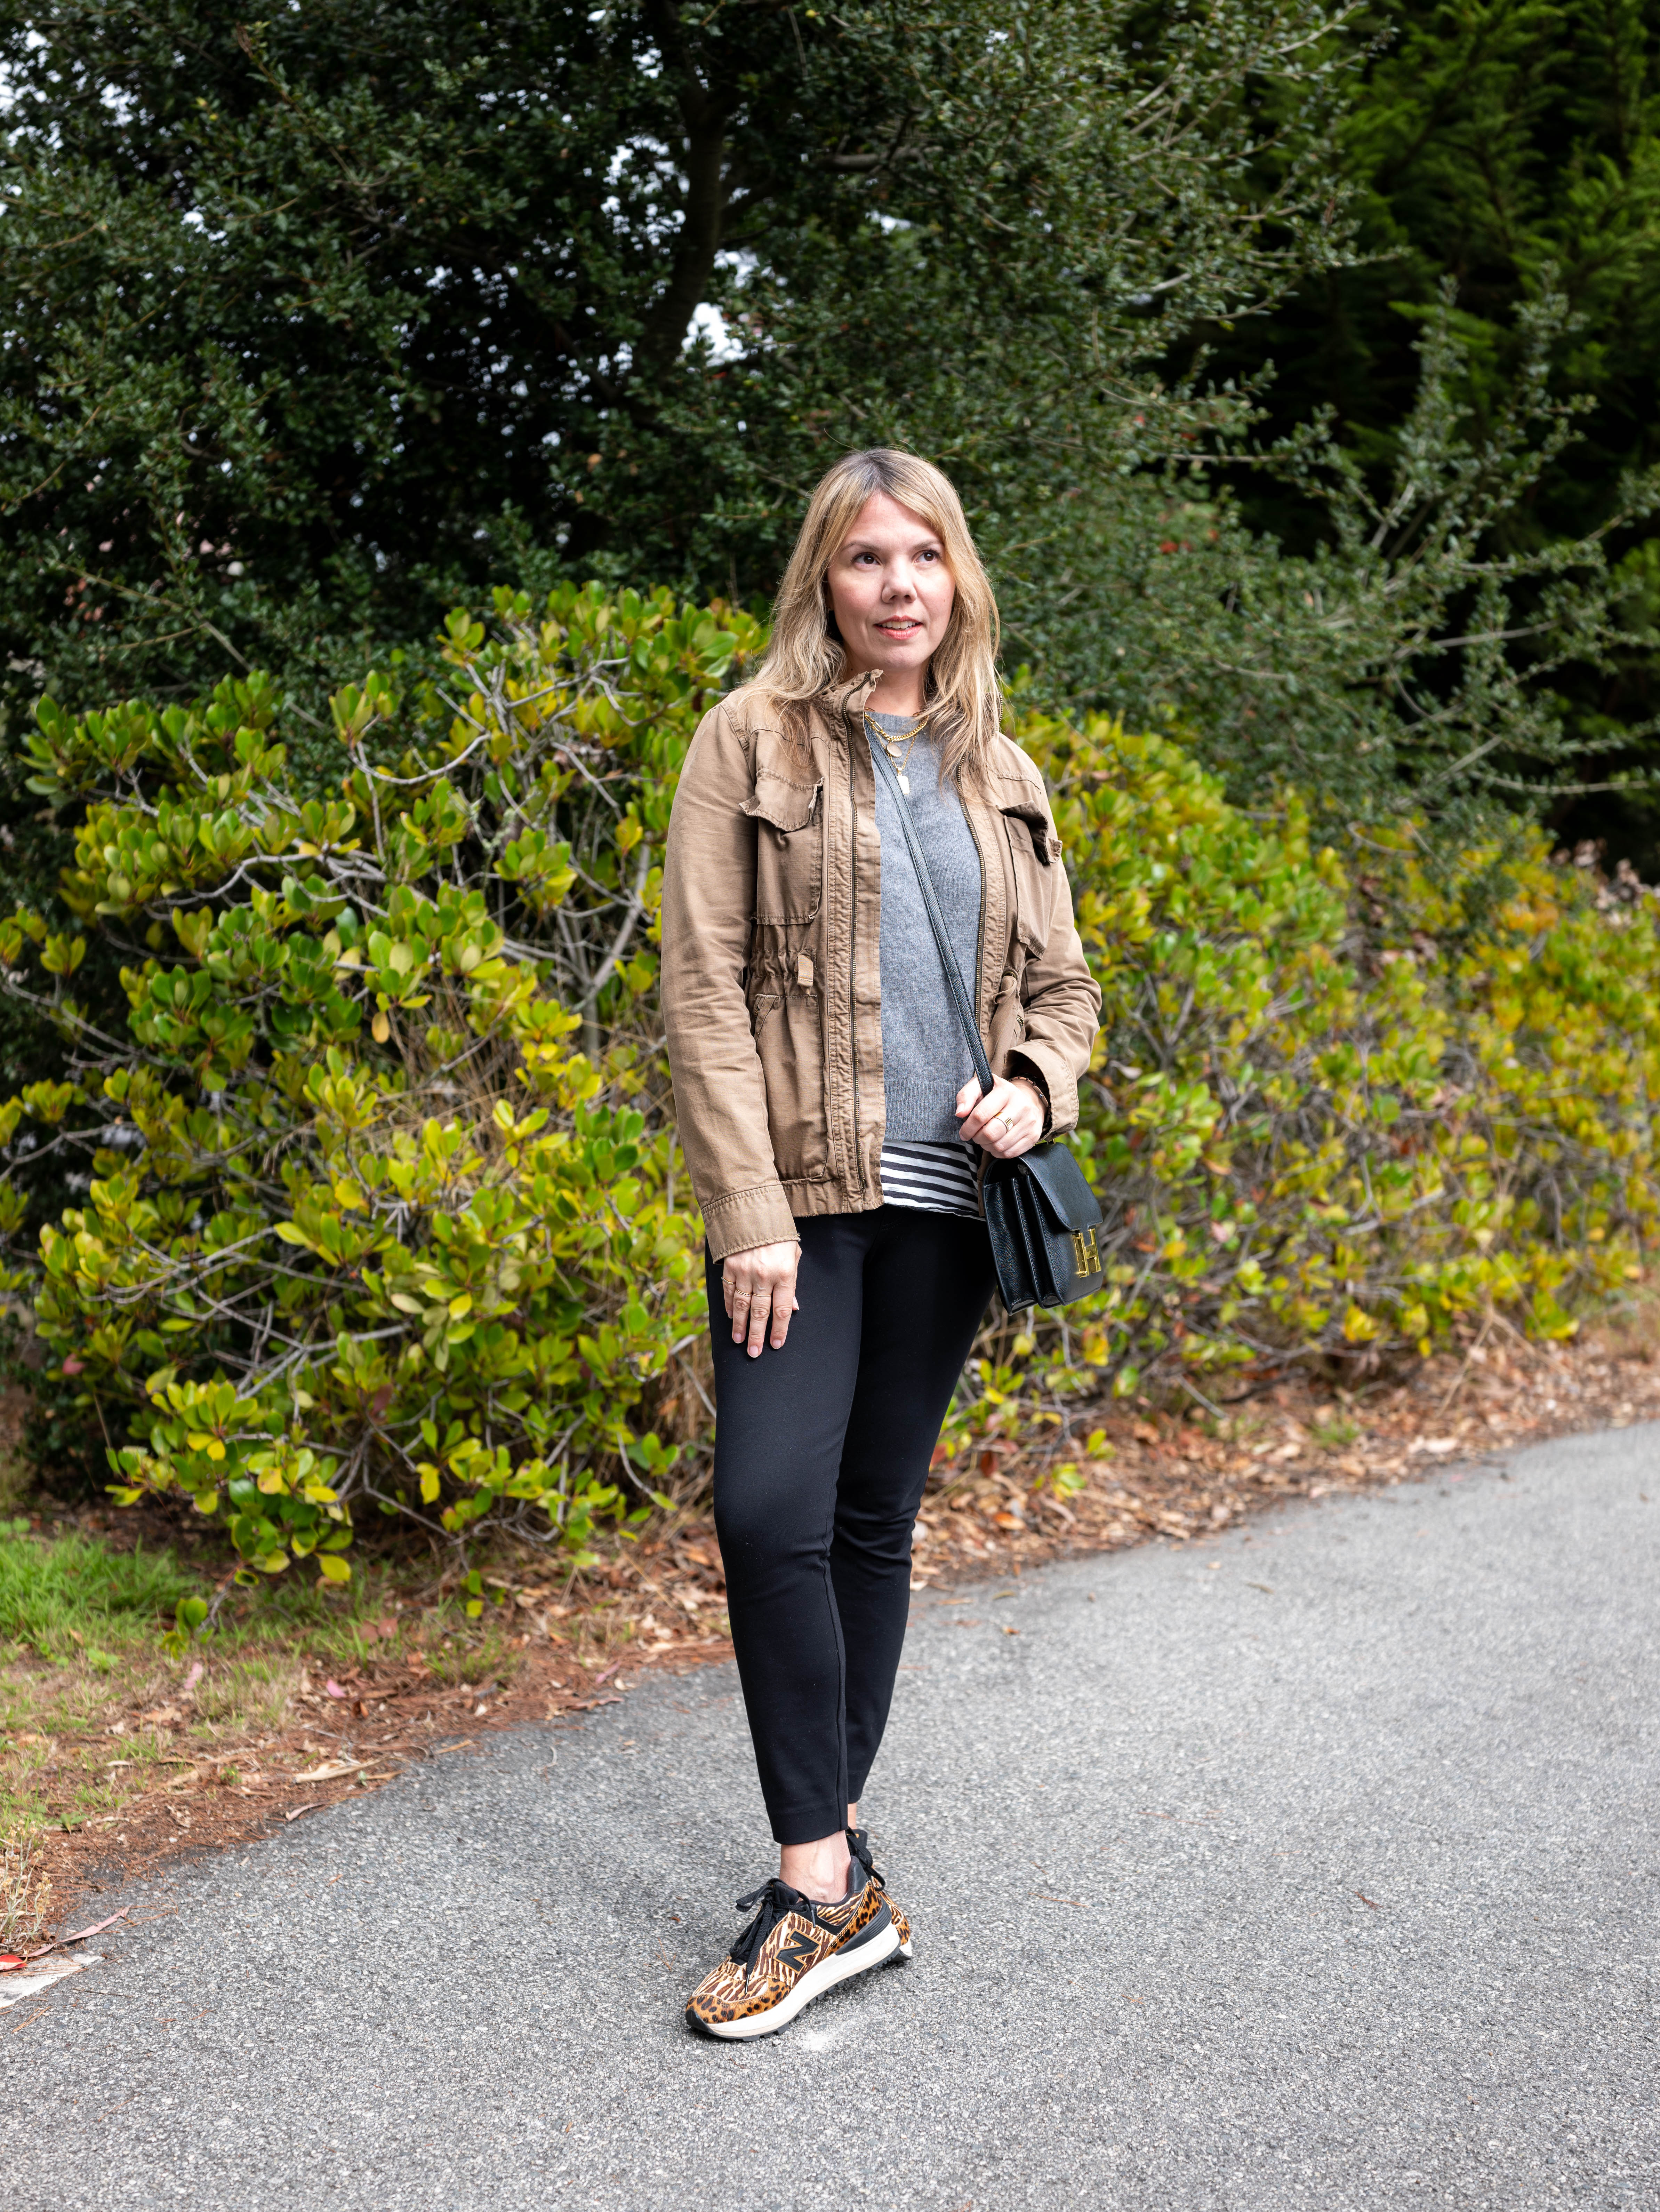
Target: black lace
775,1899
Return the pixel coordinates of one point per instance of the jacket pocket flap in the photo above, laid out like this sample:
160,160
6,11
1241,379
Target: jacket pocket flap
1028,825
785,805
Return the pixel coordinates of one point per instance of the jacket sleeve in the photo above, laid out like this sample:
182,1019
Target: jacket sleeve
708,899
1063,1006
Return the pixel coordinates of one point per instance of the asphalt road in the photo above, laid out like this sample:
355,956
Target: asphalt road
1315,1867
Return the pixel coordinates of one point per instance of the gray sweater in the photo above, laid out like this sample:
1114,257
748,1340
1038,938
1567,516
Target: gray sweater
925,1059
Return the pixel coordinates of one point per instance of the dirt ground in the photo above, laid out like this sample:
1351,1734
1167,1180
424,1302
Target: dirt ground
205,1770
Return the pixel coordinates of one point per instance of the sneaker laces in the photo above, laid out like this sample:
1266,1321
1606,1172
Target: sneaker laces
775,1899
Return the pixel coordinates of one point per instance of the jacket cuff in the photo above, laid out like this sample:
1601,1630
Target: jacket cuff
1055,1072
741,1219
1022,1070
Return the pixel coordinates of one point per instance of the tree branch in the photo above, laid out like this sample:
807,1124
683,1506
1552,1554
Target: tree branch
705,116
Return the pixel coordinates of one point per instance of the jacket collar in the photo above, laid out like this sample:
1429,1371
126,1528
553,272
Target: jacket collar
844,702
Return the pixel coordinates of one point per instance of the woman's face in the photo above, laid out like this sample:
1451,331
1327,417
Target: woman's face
890,588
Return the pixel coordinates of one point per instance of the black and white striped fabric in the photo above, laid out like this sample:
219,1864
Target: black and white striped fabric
931,1178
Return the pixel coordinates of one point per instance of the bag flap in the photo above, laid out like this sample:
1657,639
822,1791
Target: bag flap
1054,1169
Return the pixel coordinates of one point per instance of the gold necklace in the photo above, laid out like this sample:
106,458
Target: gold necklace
906,738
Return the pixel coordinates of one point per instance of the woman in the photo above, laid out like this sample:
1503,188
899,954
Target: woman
832,1123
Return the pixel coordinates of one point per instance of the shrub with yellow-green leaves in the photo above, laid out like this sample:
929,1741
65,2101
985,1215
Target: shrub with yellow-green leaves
1342,1099
381,1203
384,1206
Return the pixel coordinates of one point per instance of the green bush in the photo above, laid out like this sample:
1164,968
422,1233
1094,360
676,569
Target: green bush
1341,1102
364,1227
384,1204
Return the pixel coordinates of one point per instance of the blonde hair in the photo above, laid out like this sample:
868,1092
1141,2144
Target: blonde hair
805,656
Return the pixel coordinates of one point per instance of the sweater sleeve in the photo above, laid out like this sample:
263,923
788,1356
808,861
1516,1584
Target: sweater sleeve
708,899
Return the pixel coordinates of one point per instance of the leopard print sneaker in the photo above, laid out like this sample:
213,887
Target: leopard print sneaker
795,1948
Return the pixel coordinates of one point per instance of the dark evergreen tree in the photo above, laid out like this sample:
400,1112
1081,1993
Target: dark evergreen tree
1513,150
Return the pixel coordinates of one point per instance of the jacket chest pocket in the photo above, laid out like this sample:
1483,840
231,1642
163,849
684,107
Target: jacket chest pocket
789,819
1032,856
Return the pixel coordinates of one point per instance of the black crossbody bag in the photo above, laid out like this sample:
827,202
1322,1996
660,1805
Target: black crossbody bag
1044,1218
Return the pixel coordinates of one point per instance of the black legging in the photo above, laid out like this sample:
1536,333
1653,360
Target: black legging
821,1452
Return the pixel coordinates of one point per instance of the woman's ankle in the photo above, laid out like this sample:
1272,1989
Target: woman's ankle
818,1869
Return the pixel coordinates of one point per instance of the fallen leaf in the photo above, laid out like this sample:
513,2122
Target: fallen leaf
10,1962
194,1677
1365,1899
334,1688
1010,1631
294,1811
79,1937
330,1770
160,1717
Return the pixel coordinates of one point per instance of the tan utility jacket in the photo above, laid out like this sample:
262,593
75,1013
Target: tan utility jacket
772,974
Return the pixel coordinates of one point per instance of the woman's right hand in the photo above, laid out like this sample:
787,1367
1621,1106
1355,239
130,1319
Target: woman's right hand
758,1287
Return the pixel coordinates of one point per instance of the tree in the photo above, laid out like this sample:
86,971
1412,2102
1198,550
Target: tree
308,320
1513,149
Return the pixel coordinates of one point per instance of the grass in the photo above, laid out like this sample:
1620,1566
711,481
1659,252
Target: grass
1335,1432
94,1712
25,1896
73,1596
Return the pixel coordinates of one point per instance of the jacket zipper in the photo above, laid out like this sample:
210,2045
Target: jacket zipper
979,941
853,956
980,972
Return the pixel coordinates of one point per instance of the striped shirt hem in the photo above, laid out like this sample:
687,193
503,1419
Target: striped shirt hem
931,1179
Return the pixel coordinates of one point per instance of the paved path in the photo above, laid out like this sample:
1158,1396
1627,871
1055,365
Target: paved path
1314,1868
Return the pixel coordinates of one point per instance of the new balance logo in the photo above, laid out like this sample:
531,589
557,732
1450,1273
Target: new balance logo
797,1951
1086,1258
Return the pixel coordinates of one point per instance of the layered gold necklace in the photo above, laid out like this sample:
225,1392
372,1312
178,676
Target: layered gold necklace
890,745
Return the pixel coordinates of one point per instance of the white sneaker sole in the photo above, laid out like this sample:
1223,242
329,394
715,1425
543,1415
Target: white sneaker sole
839,1966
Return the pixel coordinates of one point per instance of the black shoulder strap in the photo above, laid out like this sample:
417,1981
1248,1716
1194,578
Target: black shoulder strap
964,1003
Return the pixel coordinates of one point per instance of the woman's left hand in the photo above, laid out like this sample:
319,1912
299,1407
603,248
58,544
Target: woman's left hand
1007,1123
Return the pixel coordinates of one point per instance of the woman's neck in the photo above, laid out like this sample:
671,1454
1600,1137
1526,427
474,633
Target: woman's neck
900,691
